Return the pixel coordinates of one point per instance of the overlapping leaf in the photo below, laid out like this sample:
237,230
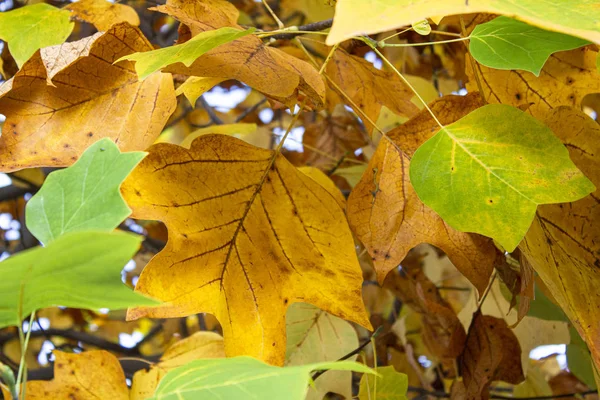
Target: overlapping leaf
359,17
249,234
389,385
32,27
90,375
567,77
67,97
266,69
103,14
562,244
84,196
505,43
370,88
77,270
488,171
388,217
241,377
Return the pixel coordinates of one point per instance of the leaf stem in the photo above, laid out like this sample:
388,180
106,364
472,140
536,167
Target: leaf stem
22,364
396,34
270,10
383,44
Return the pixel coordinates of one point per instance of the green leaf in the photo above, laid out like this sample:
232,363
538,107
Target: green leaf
79,270
151,61
243,378
487,172
84,196
389,385
422,27
30,28
579,359
543,308
505,43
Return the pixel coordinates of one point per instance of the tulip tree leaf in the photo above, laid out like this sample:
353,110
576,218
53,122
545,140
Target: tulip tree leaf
243,378
79,270
390,384
487,172
150,61
30,28
505,43
84,196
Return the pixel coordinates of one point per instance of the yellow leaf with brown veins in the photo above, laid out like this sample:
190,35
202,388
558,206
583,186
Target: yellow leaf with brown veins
563,243
266,69
370,88
87,376
567,77
386,214
249,234
103,14
67,97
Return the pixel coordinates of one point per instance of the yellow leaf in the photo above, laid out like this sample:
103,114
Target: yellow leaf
235,130
318,176
199,345
266,69
388,217
567,77
562,244
370,88
249,234
87,376
67,97
195,87
103,14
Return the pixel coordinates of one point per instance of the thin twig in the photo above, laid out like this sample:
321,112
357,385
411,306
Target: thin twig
302,29
211,113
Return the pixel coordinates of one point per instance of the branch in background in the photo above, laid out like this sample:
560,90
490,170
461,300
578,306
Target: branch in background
313,27
250,110
211,113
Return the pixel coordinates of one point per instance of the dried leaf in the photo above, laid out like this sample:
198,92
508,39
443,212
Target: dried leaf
567,77
370,88
248,235
103,14
388,217
87,376
562,244
492,352
266,69
52,124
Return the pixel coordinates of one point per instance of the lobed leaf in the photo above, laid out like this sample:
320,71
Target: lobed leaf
505,43
84,196
487,173
28,29
80,270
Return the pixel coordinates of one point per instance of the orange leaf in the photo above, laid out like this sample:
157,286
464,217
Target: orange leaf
103,14
249,234
388,217
90,375
266,69
67,97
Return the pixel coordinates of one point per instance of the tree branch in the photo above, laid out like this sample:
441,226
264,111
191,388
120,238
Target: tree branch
313,27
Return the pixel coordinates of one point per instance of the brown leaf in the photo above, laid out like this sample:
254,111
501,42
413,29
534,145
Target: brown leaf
492,352
370,88
336,136
87,376
565,80
266,69
562,244
387,216
69,96
249,234
443,333
103,14
519,278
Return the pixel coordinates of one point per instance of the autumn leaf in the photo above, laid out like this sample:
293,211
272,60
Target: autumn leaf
388,217
389,385
58,103
315,336
567,77
492,352
370,88
487,173
199,345
90,375
103,14
248,235
94,181
360,17
32,27
266,69
562,243
195,86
